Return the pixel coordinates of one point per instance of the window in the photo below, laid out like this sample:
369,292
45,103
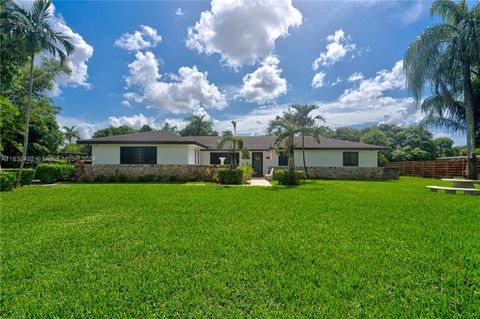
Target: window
350,158
282,159
215,158
138,155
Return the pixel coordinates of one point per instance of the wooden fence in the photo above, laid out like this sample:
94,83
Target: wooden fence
447,168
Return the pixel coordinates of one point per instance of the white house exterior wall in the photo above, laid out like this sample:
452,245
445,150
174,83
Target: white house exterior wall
166,153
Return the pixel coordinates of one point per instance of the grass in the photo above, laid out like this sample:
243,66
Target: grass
330,249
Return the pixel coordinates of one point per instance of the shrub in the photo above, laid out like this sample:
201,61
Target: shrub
28,175
247,172
100,178
84,178
111,179
7,181
281,175
230,176
146,178
122,178
49,173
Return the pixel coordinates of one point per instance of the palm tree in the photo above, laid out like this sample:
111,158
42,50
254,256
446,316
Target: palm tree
235,141
198,126
307,126
443,56
285,128
70,133
33,26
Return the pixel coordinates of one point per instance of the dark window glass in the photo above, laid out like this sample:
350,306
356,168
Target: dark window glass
282,159
350,158
215,158
138,155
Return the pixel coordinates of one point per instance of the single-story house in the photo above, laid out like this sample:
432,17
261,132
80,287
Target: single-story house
158,147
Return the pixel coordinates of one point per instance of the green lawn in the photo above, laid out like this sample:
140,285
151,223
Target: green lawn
325,249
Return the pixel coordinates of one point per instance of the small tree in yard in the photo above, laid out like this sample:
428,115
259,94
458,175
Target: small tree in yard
70,133
34,26
237,143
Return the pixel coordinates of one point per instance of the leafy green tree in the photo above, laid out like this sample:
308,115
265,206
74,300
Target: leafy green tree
45,136
112,130
443,54
198,126
307,125
167,128
347,134
146,128
70,133
285,128
34,27
236,143
377,137
445,147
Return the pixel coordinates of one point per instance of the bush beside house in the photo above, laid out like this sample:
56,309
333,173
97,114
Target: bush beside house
230,176
281,175
28,174
7,181
55,172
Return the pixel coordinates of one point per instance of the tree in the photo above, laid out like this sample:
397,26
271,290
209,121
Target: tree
111,130
444,55
347,134
306,124
445,147
377,137
284,128
34,27
198,126
146,128
167,128
235,141
70,133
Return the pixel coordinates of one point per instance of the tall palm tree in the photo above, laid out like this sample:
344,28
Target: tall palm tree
34,27
236,142
70,133
198,126
306,123
285,128
443,56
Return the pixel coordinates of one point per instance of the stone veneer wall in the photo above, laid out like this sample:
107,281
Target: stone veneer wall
163,172
350,173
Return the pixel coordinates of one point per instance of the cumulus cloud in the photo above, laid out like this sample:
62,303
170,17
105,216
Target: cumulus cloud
144,70
179,12
84,128
184,92
135,121
337,48
357,76
146,38
77,61
242,31
265,84
317,81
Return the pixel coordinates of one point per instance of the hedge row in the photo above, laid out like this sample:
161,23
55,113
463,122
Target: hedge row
230,176
281,175
28,174
57,172
7,181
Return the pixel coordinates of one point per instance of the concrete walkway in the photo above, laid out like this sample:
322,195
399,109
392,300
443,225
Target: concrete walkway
259,181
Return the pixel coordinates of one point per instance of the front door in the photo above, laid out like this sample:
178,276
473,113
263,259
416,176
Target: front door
257,163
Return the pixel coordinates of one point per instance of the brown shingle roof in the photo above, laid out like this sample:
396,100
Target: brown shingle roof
254,143
152,137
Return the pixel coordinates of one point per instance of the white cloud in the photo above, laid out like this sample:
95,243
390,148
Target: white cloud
337,48
265,84
84,128
146,38
143,71
77,61
357,76
317,81
185,92
126,103
179,12
135,121
242,31
413,13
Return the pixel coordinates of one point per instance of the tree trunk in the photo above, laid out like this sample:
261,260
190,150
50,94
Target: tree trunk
470,122
27,120
303,151
292,179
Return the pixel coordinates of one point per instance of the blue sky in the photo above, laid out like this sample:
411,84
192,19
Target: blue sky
144,62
